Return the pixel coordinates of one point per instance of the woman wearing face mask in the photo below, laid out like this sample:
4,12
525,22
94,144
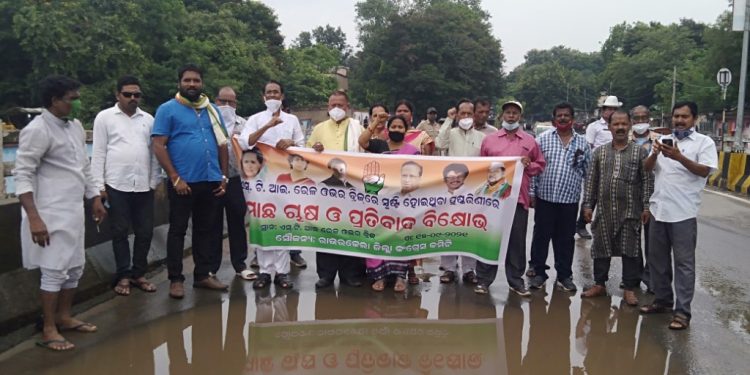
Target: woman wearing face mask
416,138
394,145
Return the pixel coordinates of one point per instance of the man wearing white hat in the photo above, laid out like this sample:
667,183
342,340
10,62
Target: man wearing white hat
597,134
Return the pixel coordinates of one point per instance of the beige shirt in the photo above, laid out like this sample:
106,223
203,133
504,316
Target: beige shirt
459,142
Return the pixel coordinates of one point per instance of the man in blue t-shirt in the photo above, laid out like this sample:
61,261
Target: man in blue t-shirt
190,141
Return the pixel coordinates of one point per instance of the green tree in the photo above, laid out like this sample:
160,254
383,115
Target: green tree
432,54
332,38
307,74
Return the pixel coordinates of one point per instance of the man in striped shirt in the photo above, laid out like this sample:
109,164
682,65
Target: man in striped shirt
556,192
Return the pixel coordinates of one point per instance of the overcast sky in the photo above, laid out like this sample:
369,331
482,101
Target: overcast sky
521,25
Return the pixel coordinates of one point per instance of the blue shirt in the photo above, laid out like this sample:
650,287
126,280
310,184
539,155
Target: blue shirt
191,145
562,179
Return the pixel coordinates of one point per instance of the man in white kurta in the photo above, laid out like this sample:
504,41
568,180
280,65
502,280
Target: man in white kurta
52,176
282,130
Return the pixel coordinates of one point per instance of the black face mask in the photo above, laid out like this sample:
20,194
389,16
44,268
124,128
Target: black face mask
396,136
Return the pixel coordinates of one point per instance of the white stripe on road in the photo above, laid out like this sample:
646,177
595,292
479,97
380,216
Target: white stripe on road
730,196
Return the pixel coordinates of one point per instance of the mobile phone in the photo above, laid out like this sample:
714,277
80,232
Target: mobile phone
668,142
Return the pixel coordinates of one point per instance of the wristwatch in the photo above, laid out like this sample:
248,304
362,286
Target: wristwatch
225,179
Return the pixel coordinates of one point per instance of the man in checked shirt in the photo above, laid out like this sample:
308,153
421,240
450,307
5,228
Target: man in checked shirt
555,193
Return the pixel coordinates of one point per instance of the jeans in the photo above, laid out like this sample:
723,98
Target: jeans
667,239
555,222
128,209
233,204
515,259
204,207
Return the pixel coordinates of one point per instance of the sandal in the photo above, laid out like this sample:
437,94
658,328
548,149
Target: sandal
123,287
51,345
400,285
679,322
470,277
143,284
413,279
448,277
481,289
654,308
248,275
82,327
262,281
378,285
282,280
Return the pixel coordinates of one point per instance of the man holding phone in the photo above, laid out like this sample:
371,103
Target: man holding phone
681,163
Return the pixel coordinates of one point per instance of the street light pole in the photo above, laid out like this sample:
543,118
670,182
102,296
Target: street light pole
739,123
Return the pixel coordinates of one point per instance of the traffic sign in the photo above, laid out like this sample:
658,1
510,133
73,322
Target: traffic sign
724,77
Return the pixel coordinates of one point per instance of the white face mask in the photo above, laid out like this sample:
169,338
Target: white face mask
466,123
228,113
273,105
641,128
511,127
337,114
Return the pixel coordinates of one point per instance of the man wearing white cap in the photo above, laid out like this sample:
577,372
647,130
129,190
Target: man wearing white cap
597,134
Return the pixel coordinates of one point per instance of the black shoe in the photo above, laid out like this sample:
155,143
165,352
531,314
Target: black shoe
254,262
520,290
584,233
537,282
262,281
323,283
298,261
352,282
282,281
566,285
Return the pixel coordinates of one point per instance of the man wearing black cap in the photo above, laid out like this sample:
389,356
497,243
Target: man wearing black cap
431,126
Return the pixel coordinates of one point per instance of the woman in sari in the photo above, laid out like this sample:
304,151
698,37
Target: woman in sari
415,137
379,271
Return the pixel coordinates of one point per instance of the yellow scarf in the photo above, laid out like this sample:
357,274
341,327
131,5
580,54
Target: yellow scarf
219,132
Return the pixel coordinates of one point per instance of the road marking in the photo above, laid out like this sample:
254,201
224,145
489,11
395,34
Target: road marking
730,196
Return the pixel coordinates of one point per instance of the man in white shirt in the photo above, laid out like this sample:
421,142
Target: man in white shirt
282,130
126,173
463,140
233,202
681,163
52,174
597,134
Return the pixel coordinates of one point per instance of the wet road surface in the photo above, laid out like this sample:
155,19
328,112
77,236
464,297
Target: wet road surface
433,328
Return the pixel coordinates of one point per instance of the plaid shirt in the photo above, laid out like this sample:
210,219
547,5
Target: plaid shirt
562,179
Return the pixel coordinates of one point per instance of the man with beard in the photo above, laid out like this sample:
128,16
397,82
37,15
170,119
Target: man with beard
556,192
618,187
509,141
126,173
52,176
282,130
233,202
681,162
190,141
597,134
496,185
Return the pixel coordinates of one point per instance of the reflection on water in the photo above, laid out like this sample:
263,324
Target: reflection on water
356,331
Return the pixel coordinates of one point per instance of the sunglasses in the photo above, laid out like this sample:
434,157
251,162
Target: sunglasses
129,95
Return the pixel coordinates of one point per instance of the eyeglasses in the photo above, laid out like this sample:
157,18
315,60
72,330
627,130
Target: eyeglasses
225,102
129,95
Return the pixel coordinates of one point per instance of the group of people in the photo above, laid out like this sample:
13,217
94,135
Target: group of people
627,182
